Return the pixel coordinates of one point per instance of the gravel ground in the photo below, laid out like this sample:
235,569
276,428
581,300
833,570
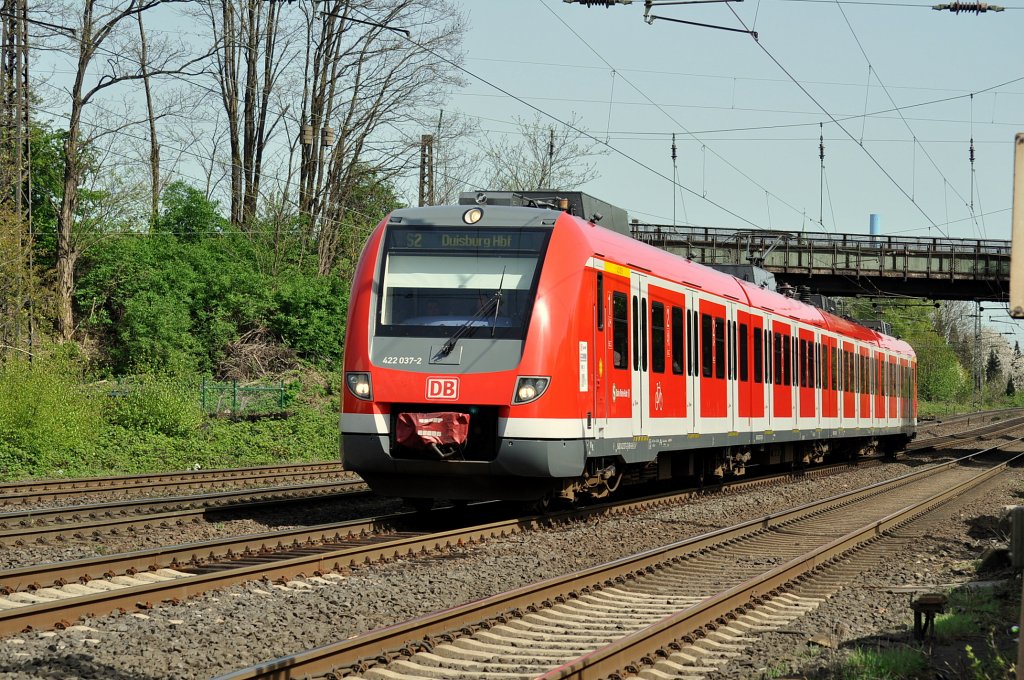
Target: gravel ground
239,626
220,524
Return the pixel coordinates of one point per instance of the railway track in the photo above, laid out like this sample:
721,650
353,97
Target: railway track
679,611
36,491
986,431
85,521
89,521
51,595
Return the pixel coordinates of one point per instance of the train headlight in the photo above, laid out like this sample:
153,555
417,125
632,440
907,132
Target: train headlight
530,388
359,385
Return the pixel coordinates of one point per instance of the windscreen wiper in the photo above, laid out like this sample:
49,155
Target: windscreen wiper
497,303
468,327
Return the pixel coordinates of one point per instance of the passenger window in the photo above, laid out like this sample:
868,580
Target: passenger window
743,352
636,334
620,330
719,347
643,336
815,364
706,333
787,358
777,358
758,356
658,337
833,367
691,342
677,341
803,363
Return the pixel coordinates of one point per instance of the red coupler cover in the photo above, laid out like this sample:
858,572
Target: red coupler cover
421,430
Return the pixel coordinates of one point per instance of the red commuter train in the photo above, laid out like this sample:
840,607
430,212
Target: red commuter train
497,352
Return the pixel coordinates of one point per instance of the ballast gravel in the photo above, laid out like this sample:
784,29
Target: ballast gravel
219,523
242,625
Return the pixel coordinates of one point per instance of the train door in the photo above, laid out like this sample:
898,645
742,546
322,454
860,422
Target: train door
692,340
768,377
640,334
744,373
732,367
666,394
757,373
828,381
848,411
878,368
714,401
782,375
599,350
893,387
865,396
805,351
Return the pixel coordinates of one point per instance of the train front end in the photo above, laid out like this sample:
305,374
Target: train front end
443,308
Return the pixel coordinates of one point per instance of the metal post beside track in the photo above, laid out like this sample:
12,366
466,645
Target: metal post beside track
1017,232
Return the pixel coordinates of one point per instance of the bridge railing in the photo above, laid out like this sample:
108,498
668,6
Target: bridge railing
762,239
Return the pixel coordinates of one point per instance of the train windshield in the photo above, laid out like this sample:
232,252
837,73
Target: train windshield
438,279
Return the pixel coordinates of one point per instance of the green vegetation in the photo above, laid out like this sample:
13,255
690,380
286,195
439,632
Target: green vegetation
163,312
896,663
967,613
56,424
972,640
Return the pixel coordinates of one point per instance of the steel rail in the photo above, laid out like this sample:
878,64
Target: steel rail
48,489
987,430
393,641
77,521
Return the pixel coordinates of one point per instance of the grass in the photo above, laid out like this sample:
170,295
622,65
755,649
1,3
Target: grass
897,663
55,423
776,670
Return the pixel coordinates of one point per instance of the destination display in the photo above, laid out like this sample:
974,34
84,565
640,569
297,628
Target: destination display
454,240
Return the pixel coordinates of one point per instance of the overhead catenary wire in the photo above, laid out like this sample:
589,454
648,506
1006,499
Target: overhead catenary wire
662,110
892,101
834,120
580,131
880,114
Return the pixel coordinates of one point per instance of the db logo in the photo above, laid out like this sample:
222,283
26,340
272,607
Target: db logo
442,388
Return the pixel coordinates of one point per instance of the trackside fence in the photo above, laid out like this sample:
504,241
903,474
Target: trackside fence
228,398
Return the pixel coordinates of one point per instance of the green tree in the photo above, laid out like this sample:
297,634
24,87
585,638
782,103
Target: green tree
187,213
993,367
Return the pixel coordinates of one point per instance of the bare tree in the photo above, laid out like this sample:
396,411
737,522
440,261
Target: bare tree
456,162
251,56
364,76
154,144
100,28
541,155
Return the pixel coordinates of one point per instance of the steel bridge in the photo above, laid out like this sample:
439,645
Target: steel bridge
850,264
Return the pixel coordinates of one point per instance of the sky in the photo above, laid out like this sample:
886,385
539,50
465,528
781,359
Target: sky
746,113
889,85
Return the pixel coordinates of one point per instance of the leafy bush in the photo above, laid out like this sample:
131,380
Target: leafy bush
45,416
309,316
168,407
54,424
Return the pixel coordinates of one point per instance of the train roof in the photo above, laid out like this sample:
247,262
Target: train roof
690,273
